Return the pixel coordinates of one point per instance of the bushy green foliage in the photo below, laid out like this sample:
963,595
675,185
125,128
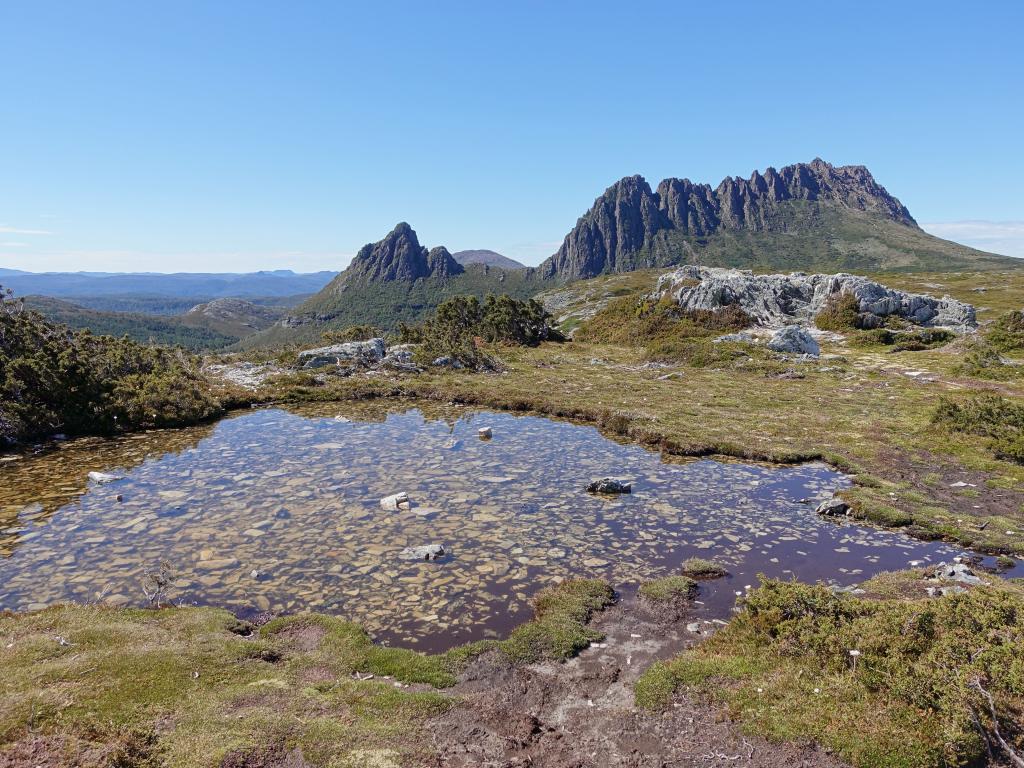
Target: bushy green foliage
909,695
986,415
351,333
915,340
53,379
460,323
841,313
1007,332
981,360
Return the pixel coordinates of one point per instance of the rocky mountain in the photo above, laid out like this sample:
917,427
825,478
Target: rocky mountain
393,280
232,317
804,216
399,256
490,258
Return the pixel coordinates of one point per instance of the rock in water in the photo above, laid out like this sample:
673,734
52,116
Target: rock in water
957,572
776,300
834,507
794,340
396,501
424,552
485,433
610,485
102,478
355,354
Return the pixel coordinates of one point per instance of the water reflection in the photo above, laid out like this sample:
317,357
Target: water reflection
276,510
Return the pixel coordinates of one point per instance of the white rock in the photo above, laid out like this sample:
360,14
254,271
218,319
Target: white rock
396,501
102,478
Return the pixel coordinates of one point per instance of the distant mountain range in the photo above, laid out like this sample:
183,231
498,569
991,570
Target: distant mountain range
490,258
183,285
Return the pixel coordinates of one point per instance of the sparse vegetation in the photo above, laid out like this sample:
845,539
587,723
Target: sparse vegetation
889,682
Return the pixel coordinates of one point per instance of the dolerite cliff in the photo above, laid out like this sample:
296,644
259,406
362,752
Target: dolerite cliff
808,215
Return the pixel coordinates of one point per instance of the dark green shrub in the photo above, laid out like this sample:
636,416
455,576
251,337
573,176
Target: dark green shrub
983,361
1007,332
53,379
986,415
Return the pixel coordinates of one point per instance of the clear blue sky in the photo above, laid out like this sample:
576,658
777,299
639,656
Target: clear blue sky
223,136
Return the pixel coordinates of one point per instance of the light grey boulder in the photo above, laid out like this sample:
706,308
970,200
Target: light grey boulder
359,354
794,340
834,507
957,572
102,478
399,357
396,501
775,300
424,552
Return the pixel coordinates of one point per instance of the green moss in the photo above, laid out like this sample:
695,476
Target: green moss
101,679
784,669
668,589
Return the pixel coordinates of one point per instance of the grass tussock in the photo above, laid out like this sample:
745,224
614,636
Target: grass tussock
913,695
982,360
841,314
700,568
668,589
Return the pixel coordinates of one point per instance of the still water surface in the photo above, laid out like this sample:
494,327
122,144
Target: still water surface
278,510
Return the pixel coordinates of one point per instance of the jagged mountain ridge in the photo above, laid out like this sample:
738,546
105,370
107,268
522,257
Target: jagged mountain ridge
632,226
399,256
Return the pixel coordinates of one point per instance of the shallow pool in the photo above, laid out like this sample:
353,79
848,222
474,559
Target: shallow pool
278,511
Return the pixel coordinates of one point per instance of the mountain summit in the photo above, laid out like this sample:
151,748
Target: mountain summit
815,215
399,256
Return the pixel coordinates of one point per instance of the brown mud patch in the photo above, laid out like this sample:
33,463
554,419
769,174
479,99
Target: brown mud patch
581,714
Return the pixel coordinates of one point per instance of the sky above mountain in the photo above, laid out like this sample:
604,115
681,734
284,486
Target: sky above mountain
238,136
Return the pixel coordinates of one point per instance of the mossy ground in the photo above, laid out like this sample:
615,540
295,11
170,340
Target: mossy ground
193,686
889,679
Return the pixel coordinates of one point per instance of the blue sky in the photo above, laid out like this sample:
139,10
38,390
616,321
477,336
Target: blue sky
237,136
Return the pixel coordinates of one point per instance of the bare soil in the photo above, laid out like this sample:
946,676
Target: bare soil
581,714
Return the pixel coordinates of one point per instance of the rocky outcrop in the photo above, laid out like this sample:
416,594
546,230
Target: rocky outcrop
793,340
356,354
399,256
779,300
233,315
626,227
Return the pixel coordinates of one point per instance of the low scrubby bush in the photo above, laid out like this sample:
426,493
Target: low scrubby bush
1007,333
53,379
841,313
986,415
461,324
981,360
351,333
